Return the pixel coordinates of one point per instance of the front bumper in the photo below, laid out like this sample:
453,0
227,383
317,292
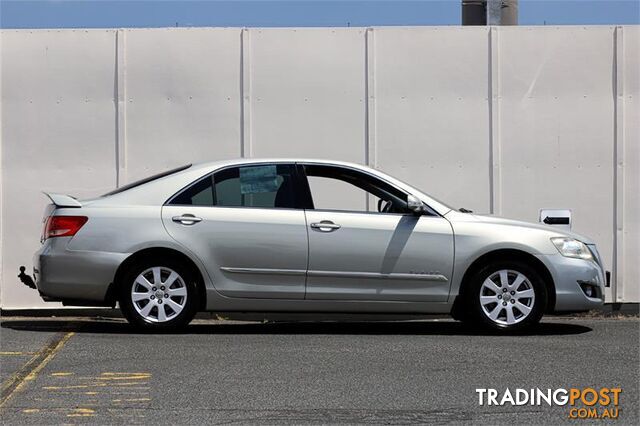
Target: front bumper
570,276
73,275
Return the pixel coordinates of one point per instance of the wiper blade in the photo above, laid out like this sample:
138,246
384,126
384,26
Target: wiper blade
463,210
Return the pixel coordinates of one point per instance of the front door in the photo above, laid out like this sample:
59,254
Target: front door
245,225
384,252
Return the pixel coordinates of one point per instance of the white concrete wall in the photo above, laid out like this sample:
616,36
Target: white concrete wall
504,120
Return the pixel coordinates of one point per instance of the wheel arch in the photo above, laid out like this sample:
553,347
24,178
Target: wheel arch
155,253
502,255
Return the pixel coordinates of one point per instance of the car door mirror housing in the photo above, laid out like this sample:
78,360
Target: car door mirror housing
415,204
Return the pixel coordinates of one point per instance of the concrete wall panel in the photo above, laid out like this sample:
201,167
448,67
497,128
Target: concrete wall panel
629,101
182,98
307,93
431,110
58,135
557,124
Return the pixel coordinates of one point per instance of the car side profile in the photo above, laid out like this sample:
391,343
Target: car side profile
281,235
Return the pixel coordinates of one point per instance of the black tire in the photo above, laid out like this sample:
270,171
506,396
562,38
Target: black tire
475,314
175,320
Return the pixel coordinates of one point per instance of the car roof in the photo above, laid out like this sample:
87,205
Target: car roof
238,161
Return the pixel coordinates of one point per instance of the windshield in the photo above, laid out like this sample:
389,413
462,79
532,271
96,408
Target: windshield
147,180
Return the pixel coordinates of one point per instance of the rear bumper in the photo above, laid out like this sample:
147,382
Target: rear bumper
73,275
570,276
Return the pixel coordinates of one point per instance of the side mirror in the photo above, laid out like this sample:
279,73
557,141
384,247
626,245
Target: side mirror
415,204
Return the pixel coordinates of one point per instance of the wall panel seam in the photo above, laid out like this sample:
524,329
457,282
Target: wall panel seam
369,104
245,94
495,192
121,107
370,87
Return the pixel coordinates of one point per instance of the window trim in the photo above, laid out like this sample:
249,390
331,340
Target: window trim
298,203
189,186
429,210
301,186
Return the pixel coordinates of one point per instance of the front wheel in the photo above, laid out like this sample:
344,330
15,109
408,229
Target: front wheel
507,296
158,294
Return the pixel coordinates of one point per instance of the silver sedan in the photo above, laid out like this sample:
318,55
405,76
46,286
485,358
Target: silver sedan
305,236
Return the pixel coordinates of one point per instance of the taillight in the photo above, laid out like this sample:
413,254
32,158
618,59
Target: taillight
63,226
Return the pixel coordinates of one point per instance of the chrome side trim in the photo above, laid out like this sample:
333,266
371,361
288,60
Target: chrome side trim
337,274
263,271
378,275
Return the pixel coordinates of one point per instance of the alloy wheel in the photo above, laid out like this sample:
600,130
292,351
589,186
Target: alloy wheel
159,294
507,297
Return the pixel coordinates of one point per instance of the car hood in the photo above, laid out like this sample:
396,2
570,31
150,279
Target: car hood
455,216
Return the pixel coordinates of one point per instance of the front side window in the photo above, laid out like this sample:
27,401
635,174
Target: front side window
264,186
343,189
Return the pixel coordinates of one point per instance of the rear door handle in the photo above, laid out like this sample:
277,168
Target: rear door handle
187,219
325,226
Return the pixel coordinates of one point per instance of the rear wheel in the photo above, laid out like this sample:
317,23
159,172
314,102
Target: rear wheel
506,296
157,294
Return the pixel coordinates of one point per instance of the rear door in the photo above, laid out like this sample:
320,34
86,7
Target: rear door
245,225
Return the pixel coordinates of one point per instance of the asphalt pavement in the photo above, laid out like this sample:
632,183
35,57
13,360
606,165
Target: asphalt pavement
101,371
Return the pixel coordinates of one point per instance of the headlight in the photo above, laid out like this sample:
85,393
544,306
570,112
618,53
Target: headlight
572,248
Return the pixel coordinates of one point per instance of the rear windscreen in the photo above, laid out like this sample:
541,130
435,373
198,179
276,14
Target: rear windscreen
147,180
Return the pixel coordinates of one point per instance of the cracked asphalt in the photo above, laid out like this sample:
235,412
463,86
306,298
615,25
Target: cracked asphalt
101,371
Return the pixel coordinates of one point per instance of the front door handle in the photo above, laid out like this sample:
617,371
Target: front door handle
325,226
187,219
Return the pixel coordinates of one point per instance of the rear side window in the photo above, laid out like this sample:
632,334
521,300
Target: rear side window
264,186
198,194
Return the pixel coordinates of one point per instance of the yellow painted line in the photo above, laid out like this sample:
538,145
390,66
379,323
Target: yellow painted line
88,385
61,374
65,387
9,353
31,410
82,412
125,374
129,384
140,377
30,370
